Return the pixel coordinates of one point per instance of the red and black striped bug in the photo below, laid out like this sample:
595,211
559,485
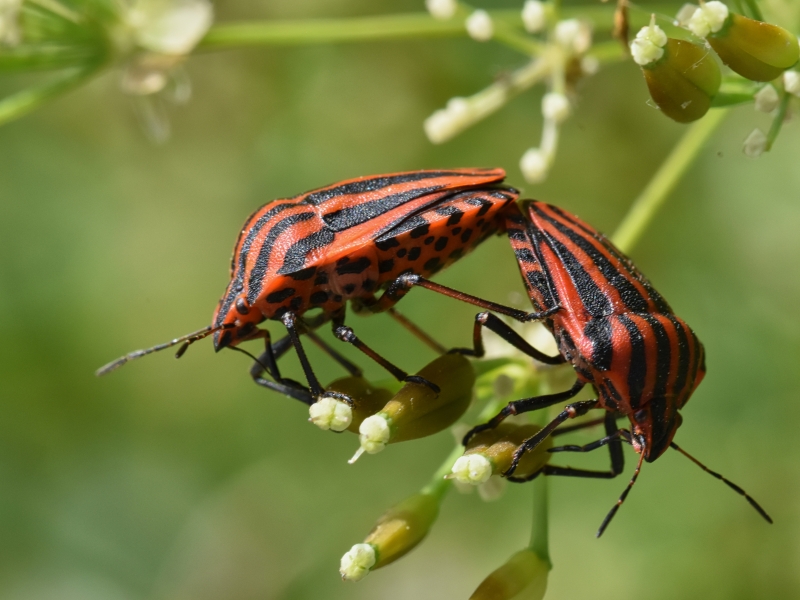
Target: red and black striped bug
345,242
616,330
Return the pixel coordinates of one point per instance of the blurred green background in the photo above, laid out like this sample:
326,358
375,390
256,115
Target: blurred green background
183,480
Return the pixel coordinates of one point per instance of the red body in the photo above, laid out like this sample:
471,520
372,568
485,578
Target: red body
617,331
348,240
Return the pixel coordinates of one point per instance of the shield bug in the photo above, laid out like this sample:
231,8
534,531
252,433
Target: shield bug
615,329
341,243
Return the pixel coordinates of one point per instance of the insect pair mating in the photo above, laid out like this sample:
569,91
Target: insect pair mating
388,233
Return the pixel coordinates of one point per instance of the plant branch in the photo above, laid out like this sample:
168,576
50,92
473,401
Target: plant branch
663,182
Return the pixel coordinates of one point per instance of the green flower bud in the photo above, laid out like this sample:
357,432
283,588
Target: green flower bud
756,50
683,81
416,410
490,453
330,413
523,577
399,530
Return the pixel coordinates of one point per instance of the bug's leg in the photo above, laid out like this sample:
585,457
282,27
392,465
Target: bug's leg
576,409
400,287
526,405
289,320
416,331
267,361
346,334
495,324
348,366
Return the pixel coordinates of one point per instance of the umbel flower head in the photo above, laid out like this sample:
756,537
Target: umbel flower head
682,77
756,50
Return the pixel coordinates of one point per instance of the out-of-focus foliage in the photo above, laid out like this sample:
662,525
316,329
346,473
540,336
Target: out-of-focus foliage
183,480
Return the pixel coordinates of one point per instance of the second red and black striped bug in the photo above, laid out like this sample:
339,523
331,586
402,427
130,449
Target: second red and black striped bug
615,329
341,243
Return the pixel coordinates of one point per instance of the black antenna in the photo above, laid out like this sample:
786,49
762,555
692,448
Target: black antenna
186,340
730,484
624,495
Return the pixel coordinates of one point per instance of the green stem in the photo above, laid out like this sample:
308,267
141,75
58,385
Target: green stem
540,528
663,182
777,121
19,104
438,486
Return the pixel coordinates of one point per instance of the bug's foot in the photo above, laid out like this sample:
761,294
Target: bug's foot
422,381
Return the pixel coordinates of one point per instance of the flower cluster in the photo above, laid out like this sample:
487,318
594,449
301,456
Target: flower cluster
683,76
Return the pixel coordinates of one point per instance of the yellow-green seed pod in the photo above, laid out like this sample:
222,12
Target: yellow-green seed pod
756,50
398,530
683,81
337,415
522,577
417,411
490,453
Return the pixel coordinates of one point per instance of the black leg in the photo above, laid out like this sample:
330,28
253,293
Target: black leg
495,324
612,440
400,287
345,333
526,405
289,320
576,409
268,362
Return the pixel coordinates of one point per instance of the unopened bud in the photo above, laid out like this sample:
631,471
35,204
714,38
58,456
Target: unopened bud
491,452
357,562
479,26
756,50
755,143
791,82
684,81
766,99
417,411
534,165
534,16
573,35
399,530
334,414
555,107
523,576
648,46
708,18
441,9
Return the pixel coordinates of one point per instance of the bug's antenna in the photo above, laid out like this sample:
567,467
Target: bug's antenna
727,482
186,340
624,495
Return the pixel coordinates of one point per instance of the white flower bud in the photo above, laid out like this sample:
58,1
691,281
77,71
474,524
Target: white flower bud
555,107
683,16
472,468
755,143
708,18
574,35
329,413
374,436
173,27
649,44
766,99
534,16
534,165
791,81
479,26
441,9
357,562
590,65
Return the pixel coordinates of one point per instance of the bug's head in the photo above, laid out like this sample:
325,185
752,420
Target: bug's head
654,426
235,318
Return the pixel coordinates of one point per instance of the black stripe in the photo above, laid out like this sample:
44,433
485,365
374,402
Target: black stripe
346,218
592,297
354,267
663,355
237,281
524,255
637,369
296,256
315,198
262,262
599,332
684,355
630,296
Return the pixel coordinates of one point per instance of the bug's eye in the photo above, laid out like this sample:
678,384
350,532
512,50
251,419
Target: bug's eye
241,307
